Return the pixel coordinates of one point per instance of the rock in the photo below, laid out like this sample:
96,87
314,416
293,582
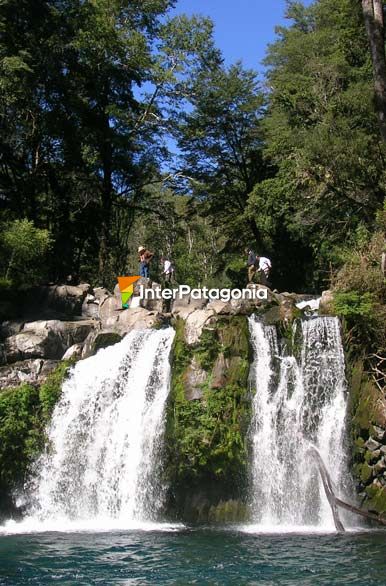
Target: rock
220,307
67,298
326,305
153,304
46,339
380,467
219,372
136,319
90,307
372,445
74,351
97,340
10,328
382,449
272,316
194,378
109,311
194,324
26,371
378,433
30,345
100,294
184,306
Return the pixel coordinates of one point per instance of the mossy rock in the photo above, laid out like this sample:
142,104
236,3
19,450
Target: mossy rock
104,340
206,438
377,499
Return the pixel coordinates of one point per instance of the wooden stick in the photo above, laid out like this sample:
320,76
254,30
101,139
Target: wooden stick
335,502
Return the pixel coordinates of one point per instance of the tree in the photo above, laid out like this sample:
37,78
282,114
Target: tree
221,142
322,136
25,247
375,28
81,136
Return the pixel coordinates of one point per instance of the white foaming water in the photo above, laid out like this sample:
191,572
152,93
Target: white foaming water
103,467
299,402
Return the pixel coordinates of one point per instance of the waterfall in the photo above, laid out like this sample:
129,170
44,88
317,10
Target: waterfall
300,400
105,439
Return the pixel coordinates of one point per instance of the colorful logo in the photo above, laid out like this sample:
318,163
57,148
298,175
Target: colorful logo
126,287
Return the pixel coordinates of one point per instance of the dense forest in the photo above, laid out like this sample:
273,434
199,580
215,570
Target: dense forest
122,125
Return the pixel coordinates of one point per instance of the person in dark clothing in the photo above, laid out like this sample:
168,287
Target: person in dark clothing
251,263
145,257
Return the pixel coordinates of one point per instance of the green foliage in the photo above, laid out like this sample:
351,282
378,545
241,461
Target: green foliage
50,390
354,305
20,439
360,297
25,248
86,90
24,414
206,439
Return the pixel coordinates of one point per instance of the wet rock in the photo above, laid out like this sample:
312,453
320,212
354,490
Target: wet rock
97,340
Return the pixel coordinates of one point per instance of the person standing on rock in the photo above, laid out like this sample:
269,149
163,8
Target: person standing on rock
251,263
167,269
145,257
264,266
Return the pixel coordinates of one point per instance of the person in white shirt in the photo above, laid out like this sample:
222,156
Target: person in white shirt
265,266
168,269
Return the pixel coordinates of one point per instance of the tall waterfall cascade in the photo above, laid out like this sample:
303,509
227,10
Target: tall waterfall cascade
300,401
106,436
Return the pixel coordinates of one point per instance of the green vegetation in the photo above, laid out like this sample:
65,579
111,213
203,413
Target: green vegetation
24,414
206,437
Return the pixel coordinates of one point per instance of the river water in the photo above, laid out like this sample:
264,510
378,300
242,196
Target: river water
183,556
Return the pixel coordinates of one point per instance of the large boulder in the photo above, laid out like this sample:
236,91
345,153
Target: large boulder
66,299
195,323
46,339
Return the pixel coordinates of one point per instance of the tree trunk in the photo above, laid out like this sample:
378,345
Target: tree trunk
374,22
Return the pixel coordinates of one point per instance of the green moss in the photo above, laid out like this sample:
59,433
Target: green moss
106,339
206,439
50,390
377,499
365,405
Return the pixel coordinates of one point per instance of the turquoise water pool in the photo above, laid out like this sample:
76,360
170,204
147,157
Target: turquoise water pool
192,556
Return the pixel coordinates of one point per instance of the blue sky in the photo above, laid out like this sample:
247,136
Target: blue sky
243,28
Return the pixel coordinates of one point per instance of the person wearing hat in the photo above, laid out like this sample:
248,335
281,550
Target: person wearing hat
145,257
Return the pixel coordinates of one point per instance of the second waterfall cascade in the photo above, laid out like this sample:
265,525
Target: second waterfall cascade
103,464
299,401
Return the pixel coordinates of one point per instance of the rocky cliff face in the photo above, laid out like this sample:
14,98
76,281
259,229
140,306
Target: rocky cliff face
209,406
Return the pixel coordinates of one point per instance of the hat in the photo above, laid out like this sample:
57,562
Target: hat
141,248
